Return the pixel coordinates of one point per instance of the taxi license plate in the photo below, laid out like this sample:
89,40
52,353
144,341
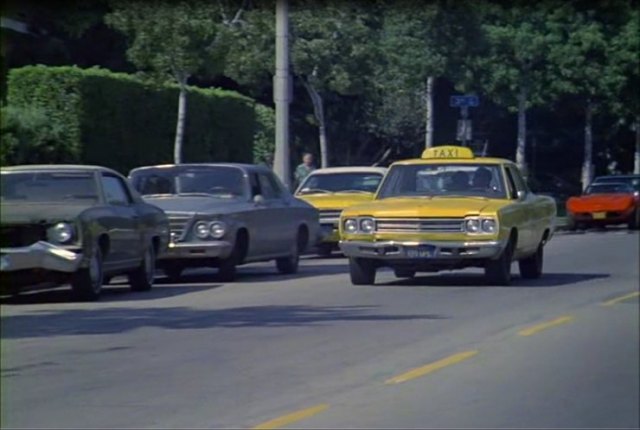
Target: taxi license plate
599,215
423,251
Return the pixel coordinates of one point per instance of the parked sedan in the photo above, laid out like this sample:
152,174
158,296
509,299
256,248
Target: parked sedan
331,190
77,224
225,215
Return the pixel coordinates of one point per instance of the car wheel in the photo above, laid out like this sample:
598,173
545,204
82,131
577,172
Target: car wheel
404,273
325,249
141,279
173,272
531,267
362,271
289,265
498,272
87,282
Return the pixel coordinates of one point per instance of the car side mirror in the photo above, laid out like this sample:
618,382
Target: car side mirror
258,199
521,195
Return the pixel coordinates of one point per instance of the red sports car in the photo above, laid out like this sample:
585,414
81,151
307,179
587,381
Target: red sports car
604,204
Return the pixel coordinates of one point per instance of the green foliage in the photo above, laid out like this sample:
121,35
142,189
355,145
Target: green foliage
167,38
28,136
264,138
117,121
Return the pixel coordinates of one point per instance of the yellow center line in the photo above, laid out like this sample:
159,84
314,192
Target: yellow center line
620,299
292,417
432,367
540,327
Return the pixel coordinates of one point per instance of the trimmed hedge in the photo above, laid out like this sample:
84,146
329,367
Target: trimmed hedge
118,121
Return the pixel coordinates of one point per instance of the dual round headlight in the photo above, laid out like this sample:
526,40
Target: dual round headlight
359,225
206,229
480,225
61,232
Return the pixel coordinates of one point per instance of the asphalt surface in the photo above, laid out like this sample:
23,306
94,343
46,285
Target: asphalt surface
312,351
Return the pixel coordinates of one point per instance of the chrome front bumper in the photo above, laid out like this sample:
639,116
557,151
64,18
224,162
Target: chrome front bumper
40,255
421,250
217,249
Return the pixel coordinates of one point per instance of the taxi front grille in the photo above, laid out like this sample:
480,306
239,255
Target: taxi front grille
419,225
177,225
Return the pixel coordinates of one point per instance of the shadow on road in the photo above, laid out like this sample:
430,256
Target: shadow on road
68,322
117,292
477,280
262,273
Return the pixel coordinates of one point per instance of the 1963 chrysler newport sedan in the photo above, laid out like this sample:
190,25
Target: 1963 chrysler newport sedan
224,215
78,224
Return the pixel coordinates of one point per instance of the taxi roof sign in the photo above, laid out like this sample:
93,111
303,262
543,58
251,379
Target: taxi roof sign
448,152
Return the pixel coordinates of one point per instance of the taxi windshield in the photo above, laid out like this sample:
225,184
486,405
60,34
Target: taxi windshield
214,181
444,180
33,187
358,182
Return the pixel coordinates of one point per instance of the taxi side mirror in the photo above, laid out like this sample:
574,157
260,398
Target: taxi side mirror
521,195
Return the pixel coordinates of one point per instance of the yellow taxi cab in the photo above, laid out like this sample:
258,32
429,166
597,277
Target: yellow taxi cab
332,189
449,210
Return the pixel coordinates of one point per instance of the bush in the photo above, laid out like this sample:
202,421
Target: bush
119,121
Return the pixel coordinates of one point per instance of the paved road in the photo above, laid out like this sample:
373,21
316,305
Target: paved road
312,350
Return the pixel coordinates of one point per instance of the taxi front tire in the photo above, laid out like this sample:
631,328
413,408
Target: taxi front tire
362,271
498,271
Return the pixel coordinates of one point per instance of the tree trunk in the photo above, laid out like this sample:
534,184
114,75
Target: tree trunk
587,170
318,110
428,138
182,114
522,129
636,163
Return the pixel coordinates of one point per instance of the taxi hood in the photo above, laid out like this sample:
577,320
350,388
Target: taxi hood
413,207
336,200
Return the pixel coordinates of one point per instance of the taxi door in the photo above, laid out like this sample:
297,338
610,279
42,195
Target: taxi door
525,214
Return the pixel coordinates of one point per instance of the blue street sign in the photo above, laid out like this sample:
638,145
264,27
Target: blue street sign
464,101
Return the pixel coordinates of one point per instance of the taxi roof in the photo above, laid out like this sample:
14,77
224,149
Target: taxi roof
451,154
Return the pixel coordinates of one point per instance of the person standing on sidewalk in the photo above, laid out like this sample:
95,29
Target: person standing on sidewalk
303,169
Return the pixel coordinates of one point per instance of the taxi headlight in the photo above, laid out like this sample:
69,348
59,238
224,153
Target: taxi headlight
350,225
367,225
217,229
62,232
201,230
489,225
472,225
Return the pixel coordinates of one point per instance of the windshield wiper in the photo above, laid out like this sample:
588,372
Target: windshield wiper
196,195
355,191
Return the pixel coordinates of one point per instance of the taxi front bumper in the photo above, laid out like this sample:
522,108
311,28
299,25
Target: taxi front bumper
195,250
420,250
41,255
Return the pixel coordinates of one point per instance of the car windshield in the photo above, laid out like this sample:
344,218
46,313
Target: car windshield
214,181
48,186
633,181
443,180
608,188
341,182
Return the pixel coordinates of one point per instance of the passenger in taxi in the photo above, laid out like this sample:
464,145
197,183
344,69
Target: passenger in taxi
482,179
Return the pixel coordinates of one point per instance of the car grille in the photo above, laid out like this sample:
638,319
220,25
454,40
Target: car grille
329,216
419,225
177,225
12,236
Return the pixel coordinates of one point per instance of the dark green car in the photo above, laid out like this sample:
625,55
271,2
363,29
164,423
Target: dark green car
76,224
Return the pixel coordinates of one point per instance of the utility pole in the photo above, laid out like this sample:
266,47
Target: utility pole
282,94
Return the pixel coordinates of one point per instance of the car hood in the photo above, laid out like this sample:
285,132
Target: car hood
597,202
336,200
34,213
196,204
407,207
